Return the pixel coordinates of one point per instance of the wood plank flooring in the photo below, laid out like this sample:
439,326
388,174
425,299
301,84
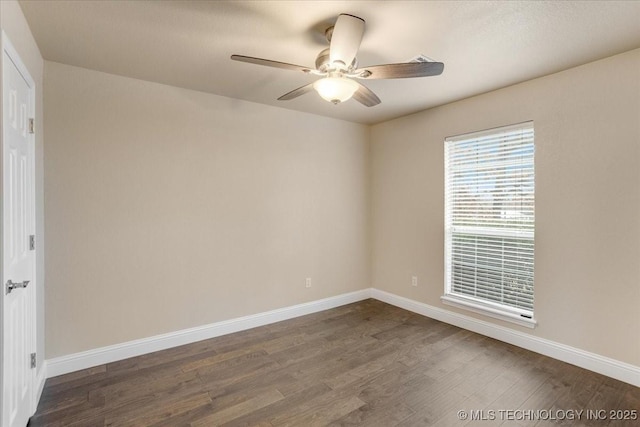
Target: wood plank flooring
364,364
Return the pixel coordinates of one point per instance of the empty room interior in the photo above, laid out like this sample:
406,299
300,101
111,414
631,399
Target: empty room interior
308,213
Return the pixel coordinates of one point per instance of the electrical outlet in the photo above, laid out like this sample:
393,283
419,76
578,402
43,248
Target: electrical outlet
414,281
307,282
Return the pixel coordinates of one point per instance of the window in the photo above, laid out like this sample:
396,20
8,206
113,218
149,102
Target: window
489,222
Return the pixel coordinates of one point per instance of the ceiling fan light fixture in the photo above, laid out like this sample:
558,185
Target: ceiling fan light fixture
335,89
338,64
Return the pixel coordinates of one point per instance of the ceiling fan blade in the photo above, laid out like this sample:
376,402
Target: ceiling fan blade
365,96
399,71
296,92
345,39
270,63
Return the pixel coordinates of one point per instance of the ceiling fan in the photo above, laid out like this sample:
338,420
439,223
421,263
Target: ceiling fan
339,67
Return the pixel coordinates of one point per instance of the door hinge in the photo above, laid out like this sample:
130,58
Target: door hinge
32,126
32,242
33,360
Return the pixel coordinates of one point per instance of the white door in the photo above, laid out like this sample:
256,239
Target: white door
18,290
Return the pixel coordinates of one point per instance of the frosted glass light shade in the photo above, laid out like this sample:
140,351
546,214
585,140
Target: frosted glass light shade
335,89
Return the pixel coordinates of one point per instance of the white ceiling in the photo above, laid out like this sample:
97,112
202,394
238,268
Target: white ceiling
484,45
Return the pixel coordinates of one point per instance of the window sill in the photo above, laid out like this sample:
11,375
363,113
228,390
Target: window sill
496,313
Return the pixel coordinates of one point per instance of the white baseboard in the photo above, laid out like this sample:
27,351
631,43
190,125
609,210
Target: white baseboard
87,359
584,359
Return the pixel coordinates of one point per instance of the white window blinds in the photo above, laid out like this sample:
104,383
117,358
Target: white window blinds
489,218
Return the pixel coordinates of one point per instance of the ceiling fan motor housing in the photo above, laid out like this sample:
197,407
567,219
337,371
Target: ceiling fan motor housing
323,62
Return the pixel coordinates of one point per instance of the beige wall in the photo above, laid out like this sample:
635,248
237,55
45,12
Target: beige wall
169,208
587,135
15,26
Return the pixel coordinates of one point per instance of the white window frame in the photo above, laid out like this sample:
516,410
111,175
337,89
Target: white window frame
486,307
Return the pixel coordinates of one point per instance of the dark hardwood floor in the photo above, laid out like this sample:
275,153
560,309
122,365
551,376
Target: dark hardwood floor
368,364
